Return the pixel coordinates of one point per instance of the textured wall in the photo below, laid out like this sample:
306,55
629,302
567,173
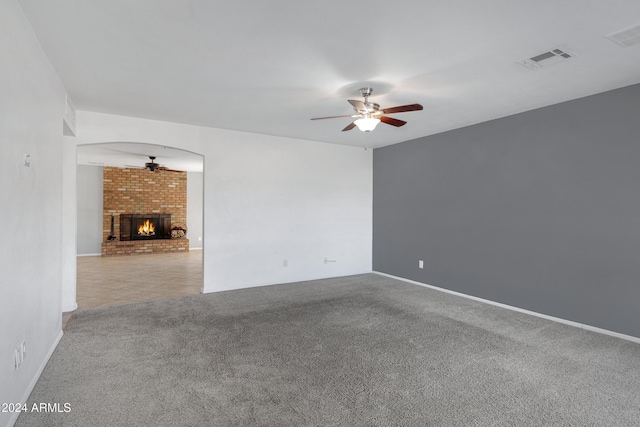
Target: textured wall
32,105
538,210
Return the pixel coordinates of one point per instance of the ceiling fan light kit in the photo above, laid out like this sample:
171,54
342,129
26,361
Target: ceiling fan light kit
367,124
369,114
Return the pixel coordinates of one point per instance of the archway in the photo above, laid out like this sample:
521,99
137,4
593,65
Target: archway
140,273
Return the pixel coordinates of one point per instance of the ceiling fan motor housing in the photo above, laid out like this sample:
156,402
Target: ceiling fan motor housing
370,107
152,165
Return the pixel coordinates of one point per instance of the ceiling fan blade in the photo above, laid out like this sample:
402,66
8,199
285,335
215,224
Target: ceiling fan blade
331,117
402,108
349,126
391,121
358,105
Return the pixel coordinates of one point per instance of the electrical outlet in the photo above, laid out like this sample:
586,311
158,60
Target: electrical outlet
420,264
26,159
19,354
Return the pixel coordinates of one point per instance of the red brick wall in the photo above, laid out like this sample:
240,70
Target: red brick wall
141,191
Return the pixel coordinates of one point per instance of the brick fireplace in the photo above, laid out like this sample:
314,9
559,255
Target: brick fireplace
133,196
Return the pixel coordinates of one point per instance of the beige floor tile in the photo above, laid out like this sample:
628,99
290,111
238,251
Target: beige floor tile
107,281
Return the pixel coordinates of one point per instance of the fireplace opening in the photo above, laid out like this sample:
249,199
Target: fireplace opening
145,226
147,229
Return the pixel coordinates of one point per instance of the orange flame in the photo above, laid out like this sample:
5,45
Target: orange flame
146,229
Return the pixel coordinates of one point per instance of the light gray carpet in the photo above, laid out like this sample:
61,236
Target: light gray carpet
353,351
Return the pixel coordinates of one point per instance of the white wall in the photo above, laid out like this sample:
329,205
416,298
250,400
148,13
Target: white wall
195,193
266,199
31,110
69,229
90,215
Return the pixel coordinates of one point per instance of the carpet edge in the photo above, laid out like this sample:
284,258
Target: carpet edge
518,309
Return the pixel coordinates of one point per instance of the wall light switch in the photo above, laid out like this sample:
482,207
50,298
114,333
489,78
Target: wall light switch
420,264
27,159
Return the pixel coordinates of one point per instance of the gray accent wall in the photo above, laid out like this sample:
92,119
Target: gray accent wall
90,216
539,210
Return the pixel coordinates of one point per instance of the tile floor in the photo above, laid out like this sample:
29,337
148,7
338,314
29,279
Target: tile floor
105,281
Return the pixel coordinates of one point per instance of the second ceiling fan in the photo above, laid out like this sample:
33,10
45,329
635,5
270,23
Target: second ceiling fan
152,166
369,114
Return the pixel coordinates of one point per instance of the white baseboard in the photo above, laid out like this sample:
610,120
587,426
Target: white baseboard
521,310
74,307
35,379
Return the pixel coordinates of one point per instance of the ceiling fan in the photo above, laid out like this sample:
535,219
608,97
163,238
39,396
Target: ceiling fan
153,166
369,114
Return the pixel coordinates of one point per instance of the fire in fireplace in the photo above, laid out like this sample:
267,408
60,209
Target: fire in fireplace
147,229
145,226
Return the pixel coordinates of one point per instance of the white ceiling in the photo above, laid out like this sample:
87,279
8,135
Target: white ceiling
269,66
135,155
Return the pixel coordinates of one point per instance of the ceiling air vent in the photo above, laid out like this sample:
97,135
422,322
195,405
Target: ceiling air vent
626,37
69,119
550,57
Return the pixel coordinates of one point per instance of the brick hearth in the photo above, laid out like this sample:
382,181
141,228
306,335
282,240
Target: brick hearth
141,247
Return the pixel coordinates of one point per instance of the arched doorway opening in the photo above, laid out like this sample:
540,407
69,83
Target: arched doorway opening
115,178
